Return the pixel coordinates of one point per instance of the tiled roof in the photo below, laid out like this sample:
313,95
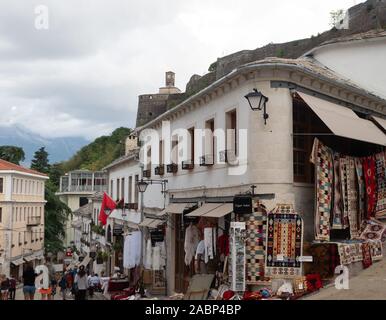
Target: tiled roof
84,210
6,166
359,36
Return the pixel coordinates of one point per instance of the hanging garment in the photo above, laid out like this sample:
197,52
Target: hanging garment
208,240
352,200
149,255
370,180
163,254
361,191
192,238
223,244
337,221
156,258
380,164
134,249
321,156
126,253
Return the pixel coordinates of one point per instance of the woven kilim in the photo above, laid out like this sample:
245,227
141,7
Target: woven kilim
322,158
366,251
371,185
352,198
300,285
337,220
256,224
343,167
374,231
284,245
380,163
284,209
376,250
361,191
350,252
325,259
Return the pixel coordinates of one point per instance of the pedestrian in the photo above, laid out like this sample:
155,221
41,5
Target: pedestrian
54,285
4,286
29,277
12,288
81,284
63,286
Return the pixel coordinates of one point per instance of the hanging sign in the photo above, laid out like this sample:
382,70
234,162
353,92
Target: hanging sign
117,230
157,236
242,205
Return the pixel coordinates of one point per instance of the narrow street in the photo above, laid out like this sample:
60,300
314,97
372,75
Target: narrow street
370,284
20,296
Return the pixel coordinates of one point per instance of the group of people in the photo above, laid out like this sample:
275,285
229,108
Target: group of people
74,282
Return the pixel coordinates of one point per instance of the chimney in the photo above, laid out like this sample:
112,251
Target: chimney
169,78
131,143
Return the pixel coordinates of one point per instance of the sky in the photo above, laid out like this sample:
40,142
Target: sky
81,74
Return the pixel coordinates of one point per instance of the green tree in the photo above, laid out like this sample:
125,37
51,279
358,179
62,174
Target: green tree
56,213
56,171
40,161
12,154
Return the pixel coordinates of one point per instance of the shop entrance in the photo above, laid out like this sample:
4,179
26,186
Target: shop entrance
181,285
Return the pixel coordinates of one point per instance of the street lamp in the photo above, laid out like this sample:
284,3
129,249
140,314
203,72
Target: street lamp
258,101
142,186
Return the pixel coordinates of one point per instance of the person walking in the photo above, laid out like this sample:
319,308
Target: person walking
63,286
29,277
12,288
81,284
4,286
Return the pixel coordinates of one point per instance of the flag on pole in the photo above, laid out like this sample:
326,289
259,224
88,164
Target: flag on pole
108,205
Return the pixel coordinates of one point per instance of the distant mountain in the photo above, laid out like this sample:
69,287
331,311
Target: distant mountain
59,149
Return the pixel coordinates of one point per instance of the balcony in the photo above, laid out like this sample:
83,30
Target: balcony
131,206
160,170
172,168
228,156
187,165
207,160
33,221
146,173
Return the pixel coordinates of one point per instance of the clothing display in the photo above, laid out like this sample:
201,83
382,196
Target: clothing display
132,250
149,255
156,258
380,165
284,245
210,245
321,157
223,244
256,225
192,238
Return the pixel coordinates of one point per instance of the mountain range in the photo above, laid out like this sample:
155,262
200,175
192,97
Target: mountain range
59,149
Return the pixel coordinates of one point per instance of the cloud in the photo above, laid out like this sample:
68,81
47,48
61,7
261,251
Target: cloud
83,75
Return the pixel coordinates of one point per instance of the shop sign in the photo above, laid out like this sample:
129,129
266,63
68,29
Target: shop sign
117,230
242,204
157,236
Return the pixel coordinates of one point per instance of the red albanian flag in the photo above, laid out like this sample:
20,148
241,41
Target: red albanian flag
108,205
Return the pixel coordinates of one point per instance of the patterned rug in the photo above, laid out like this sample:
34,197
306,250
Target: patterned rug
374,231
352,199
376,250
337,220
325,259
343,167
284,245
380,163
350,252
256,224
366,252
321,157
370,181
284,209
361,191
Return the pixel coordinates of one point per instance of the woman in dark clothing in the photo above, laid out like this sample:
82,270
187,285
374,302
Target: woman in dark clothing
4,286
29,276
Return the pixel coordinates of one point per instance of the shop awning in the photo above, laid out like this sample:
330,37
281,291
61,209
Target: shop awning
17,262
29,258
174,208
380,121
205,208
151,223
344,122
220,211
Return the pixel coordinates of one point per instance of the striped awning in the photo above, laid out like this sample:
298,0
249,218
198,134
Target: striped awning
17,262
220,211
205,208
174,208
151,223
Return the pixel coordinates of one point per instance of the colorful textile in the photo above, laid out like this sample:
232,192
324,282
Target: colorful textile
223,245
361,191
380,164
314,282
350,252
343,167
325,259
367,261
321,156
376,250
352,199
284,209
300,285
192,238
374,231
370,181
284,245
337,220
256,225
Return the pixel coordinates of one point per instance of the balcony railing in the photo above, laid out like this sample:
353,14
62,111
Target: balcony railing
146,173
228,156
187,165
33,221
206,160
172,168
160,170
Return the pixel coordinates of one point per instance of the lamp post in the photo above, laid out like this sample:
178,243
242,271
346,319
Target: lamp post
257,102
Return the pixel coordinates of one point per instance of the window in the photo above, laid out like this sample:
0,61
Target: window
231,131
161,153
123,189
130,188
25,209
111,188
191,144
1,185
136,189
1,215
175,149
118,190
209,138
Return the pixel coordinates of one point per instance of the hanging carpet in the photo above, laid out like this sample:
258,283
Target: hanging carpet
380,165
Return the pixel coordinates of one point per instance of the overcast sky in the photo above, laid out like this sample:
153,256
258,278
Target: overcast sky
82,76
